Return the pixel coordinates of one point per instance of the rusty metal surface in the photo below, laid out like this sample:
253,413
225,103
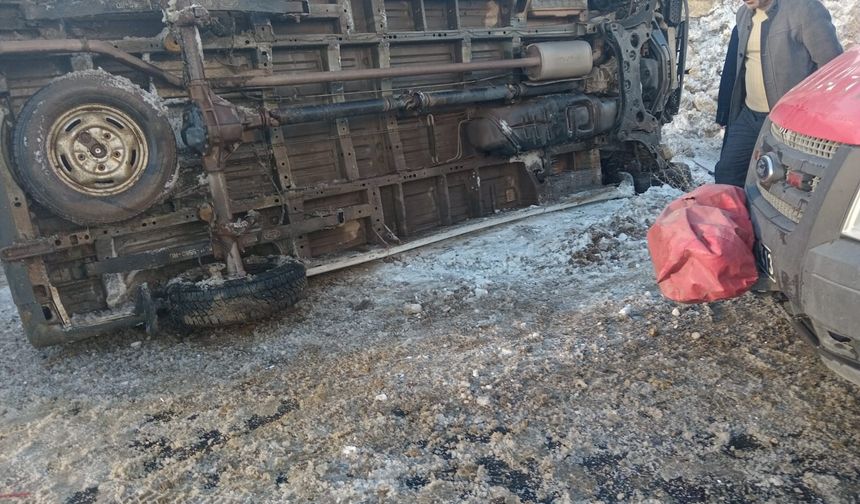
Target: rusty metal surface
224,129
46,9
375,73
97,149
313,129
31,47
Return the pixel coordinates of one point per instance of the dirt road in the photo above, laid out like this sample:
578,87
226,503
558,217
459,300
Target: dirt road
541,366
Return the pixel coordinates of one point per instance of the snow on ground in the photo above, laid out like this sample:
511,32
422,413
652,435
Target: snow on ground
508,258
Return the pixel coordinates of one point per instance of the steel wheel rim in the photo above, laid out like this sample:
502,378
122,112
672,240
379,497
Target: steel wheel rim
97,149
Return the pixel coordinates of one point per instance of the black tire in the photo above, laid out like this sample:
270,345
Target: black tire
642,181
38,174
273,284
677,175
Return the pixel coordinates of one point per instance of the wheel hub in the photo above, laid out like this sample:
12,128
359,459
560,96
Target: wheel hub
97,149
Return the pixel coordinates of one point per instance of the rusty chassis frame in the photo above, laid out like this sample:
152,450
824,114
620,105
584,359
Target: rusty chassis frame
225,124
216,129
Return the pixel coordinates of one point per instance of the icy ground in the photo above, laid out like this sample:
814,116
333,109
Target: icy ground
535,362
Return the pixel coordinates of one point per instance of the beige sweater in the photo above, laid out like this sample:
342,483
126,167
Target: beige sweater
756,94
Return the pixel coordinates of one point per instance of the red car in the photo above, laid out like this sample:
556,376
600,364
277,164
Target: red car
803,188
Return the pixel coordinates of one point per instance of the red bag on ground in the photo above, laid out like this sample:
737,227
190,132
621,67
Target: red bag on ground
701,246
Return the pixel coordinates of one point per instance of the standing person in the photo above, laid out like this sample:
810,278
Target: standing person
727,80
780,43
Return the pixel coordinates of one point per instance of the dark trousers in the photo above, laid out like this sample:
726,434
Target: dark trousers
738,146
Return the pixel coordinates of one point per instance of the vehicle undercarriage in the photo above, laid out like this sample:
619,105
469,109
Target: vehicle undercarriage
194,158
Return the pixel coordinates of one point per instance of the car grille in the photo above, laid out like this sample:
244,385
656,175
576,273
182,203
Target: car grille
805,143
788,211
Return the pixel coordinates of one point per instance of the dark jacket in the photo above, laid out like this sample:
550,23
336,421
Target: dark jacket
727,80
797,38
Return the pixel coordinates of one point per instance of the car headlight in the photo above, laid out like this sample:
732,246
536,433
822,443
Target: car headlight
851,227
769,169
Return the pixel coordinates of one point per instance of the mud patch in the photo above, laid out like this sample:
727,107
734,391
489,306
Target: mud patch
524,484
87,496
257,421
168,455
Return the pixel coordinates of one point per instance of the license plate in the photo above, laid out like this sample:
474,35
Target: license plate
765,260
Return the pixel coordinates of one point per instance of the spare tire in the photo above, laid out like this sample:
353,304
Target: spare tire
94,148
272,284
